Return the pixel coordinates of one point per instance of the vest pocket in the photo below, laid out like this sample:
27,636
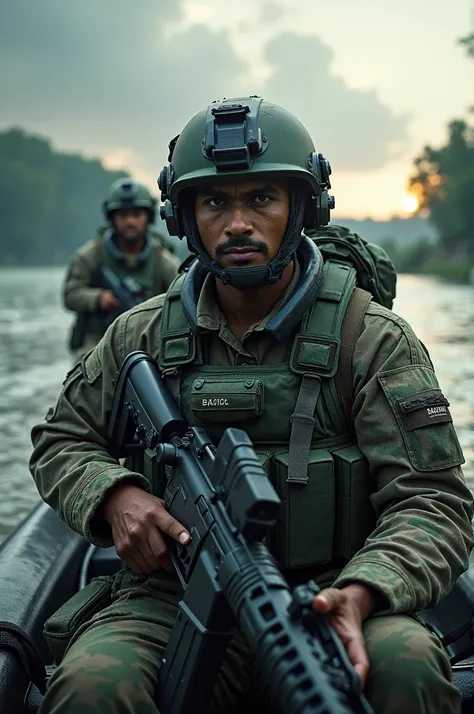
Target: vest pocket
305,527
227,400
355,516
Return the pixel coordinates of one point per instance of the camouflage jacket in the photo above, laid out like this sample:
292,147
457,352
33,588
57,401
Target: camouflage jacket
79,292
423,535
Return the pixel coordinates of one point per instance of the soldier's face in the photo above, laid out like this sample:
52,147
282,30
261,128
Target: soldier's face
242,222
131,223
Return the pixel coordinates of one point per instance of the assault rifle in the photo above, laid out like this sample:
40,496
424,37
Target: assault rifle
126,290
229,506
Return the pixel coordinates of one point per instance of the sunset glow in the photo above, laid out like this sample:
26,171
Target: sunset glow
409,203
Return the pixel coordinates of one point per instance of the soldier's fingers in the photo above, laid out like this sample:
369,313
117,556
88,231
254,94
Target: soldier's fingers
134,564
160,550
171,526
158,546
140,555
328,599
358,656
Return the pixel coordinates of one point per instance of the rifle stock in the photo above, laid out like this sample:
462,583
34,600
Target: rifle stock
229,506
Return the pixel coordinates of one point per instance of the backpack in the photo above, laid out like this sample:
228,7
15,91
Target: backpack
376,280
375,271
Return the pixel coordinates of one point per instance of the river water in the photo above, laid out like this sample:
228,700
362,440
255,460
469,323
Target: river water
34,360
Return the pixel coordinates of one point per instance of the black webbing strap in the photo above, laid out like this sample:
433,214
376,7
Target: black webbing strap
302,423
456,634
452,637
17,641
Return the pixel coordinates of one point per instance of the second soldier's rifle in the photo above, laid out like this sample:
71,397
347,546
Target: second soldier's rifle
127,291
225,500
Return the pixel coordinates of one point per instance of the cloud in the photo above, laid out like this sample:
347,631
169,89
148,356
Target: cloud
110,78
270,11
102,76
352,127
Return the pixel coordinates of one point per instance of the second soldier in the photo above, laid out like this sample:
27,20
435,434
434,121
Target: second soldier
127,249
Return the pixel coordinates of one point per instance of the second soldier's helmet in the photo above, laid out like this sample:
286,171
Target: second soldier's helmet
246,137
127,193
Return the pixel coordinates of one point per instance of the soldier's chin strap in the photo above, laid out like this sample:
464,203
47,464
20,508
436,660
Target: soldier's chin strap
252,277
286,319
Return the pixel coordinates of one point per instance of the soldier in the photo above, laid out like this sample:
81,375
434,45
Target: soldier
129,247
375,506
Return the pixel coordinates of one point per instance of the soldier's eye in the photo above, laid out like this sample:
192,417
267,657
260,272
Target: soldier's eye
261,199
215,202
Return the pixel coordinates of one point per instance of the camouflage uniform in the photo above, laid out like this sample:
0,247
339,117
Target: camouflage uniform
153,269
417,549
81,290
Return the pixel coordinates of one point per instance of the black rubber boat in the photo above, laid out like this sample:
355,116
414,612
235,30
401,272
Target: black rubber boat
43,563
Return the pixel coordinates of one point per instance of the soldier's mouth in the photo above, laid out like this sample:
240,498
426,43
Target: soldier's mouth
241,255
241,251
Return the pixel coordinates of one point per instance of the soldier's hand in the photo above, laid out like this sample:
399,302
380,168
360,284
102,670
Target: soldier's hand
139,522
108,301
346,610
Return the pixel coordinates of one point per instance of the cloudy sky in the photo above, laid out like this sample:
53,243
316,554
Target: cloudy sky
373,80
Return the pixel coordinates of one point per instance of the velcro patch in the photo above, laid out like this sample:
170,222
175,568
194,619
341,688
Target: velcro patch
423,409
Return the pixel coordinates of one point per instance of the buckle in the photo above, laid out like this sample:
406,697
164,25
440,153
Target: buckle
315,355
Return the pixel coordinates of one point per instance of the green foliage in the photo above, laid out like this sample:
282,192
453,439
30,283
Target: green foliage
50,202
456,271
414,258
468,43
444,184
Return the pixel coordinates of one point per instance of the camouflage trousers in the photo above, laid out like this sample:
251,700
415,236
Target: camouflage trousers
111,666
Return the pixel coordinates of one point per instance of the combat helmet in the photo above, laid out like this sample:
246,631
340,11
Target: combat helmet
127,193
246,137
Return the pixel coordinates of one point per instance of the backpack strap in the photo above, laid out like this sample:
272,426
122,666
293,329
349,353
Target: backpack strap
350,331
315,355
178,343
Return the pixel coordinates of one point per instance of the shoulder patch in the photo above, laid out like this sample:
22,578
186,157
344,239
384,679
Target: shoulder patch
423,417
424,408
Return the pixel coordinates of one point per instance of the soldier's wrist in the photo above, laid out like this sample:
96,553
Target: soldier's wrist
111,501
366,598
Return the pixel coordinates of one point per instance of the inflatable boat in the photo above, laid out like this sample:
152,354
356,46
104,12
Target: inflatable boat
43,563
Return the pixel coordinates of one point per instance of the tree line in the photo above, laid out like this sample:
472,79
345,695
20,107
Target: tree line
443,181
51,202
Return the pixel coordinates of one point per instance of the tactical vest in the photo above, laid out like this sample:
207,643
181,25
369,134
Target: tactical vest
148,275
292,413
